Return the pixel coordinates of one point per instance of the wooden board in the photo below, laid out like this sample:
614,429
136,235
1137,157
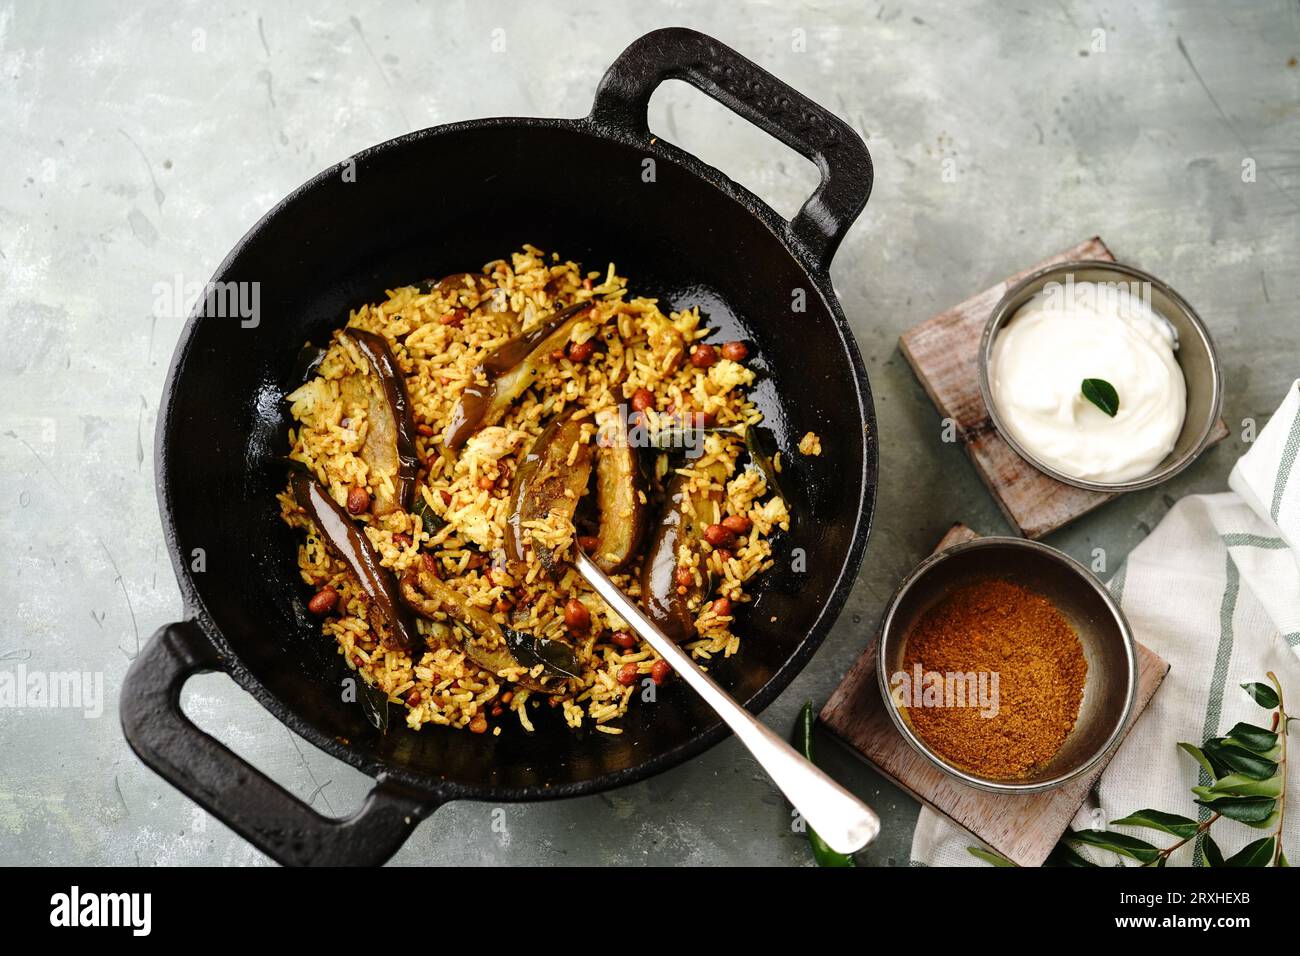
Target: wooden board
944,353
1022,827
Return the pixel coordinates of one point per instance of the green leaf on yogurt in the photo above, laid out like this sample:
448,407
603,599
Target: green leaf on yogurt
1102,394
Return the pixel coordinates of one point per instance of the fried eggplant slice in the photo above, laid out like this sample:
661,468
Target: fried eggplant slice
552,477
509,371
390,436
306,366
620,496
346,539
671,605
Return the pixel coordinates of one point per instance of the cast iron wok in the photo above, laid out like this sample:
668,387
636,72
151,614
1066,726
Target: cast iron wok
447,199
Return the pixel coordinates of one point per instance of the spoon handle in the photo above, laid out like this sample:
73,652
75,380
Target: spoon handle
841,819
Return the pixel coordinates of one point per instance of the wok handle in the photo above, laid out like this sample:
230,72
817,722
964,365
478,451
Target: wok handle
676,53
247,801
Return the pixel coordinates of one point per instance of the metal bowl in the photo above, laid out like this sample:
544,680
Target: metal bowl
1195,355
1110,691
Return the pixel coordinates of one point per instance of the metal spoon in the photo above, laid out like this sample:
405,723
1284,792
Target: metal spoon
841,819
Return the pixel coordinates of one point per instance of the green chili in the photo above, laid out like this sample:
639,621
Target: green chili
803,742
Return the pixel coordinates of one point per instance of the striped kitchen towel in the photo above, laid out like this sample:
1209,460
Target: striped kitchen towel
1215,591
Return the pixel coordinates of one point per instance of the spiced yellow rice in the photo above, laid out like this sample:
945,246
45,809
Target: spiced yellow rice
624,357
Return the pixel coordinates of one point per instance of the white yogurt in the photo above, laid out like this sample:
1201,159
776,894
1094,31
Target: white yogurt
1073,331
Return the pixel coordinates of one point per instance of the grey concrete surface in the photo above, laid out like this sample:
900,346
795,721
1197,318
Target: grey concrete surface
141,140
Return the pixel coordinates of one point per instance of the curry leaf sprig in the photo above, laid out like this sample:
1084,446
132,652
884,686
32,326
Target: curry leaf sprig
1247,773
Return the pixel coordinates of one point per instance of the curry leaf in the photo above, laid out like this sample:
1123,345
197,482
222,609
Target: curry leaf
1159,820
1262,694
1239,785
1273,755
1102,394
1238,760
761,445
557,659
374,704
988,856
1253,854
1268,823
1065,855
1200,758
1242,809
1119,843
430,520
1254,738
1211,852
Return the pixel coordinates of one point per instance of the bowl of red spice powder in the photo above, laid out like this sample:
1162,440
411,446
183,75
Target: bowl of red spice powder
1007,664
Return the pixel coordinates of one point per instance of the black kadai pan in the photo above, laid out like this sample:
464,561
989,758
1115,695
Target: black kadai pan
448,199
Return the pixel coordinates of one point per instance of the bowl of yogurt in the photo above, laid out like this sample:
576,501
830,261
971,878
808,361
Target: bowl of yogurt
1100,375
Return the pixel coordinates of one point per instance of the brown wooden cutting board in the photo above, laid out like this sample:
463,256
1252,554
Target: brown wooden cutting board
1022,827
944,353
